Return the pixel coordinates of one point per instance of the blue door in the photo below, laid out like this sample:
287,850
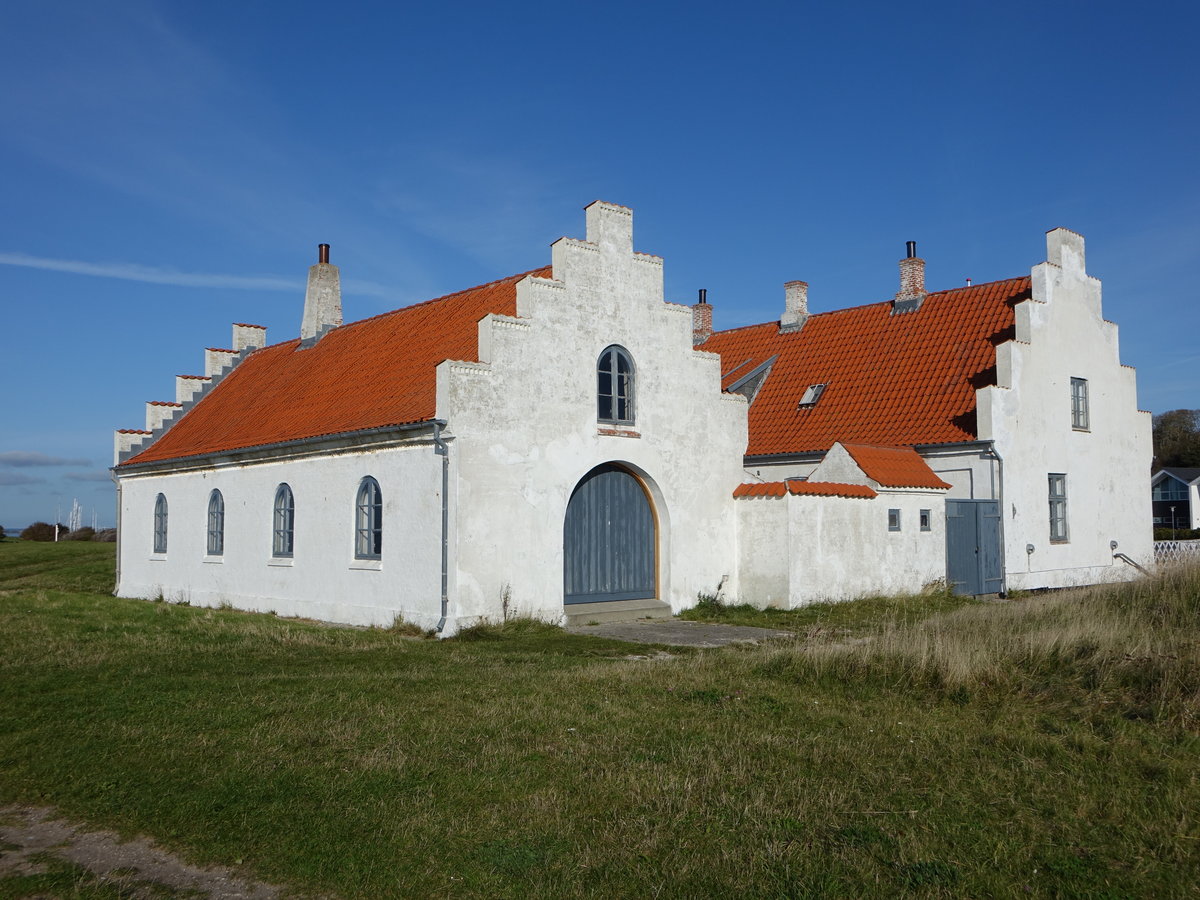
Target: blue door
608,539
974,554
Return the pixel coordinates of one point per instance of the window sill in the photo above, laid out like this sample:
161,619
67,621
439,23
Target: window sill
617,431
367,565
214,560
285,561
158,557
1084,430
1060,540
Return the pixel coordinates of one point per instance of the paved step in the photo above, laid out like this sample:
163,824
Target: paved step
616,611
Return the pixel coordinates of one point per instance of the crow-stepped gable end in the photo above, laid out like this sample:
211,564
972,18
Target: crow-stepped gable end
566,443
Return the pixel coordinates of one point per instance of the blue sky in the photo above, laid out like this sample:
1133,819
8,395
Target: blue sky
170,167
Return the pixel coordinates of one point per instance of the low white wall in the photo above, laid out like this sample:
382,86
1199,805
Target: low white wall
322,580
803,549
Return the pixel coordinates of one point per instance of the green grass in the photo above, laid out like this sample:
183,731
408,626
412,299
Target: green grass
1045,747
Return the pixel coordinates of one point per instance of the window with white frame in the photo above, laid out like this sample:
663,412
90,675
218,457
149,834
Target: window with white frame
1079,404
216,524
368,520
893,520
1058,507
160,524
614,386
283,542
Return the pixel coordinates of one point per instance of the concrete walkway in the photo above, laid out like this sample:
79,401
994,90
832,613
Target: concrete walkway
679,633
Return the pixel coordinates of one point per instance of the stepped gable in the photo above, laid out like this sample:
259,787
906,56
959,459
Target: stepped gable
367,374
891,379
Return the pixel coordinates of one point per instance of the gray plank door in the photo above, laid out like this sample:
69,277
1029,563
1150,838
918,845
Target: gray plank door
974,555
608,539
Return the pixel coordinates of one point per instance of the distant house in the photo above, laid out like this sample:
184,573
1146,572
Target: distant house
1175,496
563,443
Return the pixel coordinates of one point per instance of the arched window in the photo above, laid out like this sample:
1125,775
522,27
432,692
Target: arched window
284,541
614,389
160,524
368,520
216,524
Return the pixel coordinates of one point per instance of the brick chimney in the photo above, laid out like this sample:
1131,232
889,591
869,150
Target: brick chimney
701,319
322,300
795,306
912,282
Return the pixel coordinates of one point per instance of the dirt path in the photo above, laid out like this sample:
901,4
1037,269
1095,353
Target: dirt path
29,834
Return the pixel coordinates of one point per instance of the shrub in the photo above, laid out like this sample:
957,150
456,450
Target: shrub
1,532
109,535
85,533
43,531
1177,534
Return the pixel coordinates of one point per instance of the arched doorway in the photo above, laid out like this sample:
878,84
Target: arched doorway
609,539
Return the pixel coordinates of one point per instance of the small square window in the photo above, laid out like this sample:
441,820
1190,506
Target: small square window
893,520
926,524
812,395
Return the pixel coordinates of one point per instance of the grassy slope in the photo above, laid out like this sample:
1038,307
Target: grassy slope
1045,746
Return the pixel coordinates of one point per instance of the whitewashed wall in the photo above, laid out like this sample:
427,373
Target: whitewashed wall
524,423
1061,333
322,580
802,549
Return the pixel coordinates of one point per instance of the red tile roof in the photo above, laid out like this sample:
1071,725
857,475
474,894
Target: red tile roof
893,379
894,466
368,374
803,488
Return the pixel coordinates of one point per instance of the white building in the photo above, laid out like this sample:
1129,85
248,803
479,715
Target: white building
565,444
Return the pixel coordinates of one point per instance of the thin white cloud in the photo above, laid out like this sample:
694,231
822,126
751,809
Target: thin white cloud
23,458
87,476
150,274
153,275
12,478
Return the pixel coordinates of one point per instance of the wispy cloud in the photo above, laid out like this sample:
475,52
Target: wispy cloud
23,458
155,275
151,274
87,476
13,478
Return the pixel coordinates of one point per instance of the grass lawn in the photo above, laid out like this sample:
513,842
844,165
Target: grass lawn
1043,747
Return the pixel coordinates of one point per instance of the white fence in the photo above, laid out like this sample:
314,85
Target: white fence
1169,552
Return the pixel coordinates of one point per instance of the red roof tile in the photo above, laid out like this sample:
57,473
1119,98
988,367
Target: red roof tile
893,379
368,374
894,466
803,488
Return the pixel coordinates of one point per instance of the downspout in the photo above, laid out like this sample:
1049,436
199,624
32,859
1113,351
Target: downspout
441,448
993,453
117,482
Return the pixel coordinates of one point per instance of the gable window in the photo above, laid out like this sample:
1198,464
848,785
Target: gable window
216,524
160,524
614,389
283,541
368,520
1079,404
1058,508
893,520
926,523
812,394
1170,488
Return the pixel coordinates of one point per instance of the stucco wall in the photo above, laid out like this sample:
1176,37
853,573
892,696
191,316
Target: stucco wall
525,431
322,580
1061,333
838,548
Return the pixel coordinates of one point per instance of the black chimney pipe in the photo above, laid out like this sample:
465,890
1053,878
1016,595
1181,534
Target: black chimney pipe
703,295
322,253
912,249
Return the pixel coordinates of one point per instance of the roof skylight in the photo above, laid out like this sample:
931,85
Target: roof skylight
812,395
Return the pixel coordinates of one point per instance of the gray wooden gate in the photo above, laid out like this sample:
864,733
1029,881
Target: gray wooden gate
974,554
608,539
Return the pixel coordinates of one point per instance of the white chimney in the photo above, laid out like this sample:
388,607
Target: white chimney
795,306
322,299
